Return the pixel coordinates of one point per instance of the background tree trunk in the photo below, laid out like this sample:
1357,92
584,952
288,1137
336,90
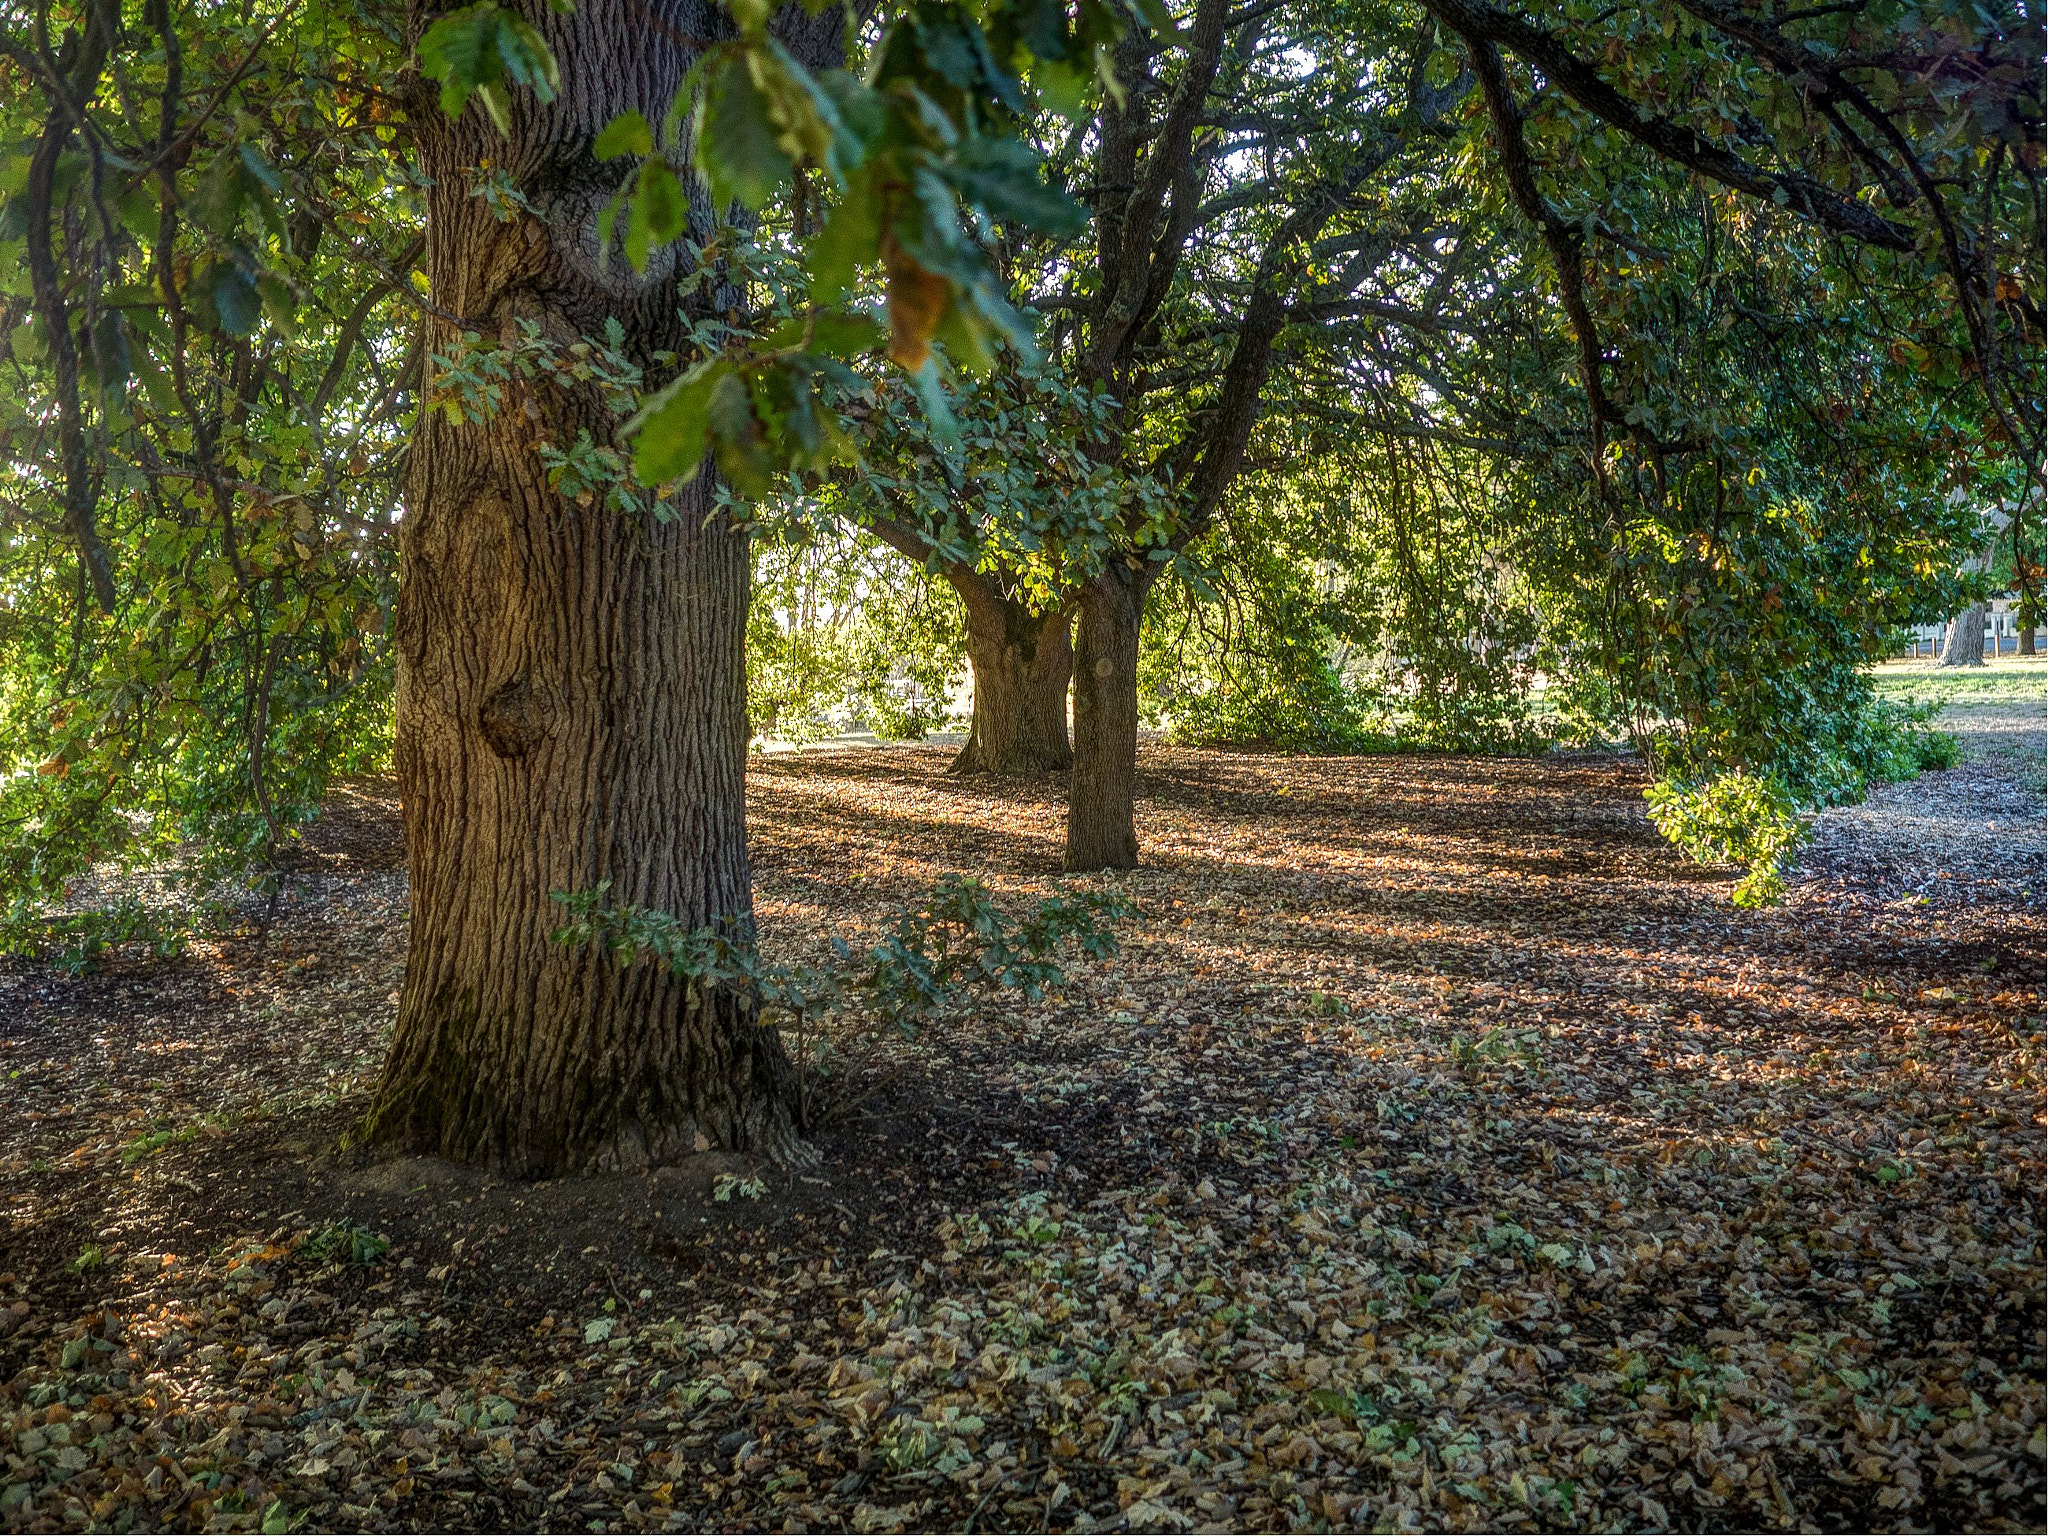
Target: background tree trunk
2026,607
1102,828
1023,664
571,687
1964,644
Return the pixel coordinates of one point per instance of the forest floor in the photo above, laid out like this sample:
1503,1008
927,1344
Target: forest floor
1441,1152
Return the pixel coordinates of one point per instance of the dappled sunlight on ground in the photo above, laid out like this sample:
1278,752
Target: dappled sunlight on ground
1440,1152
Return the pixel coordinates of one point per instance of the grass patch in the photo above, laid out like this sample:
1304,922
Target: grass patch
2009,680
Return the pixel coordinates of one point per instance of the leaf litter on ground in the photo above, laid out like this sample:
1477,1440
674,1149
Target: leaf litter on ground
1441,1153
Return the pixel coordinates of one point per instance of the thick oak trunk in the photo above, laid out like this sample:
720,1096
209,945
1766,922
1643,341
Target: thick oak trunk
1023,664
1102,828
2027,639
571,689
1964,645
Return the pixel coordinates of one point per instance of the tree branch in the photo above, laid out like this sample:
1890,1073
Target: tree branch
38,193
1477,21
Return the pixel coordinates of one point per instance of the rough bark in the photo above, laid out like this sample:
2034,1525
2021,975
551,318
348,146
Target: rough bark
1101,813
1964,644
1023,663
2026,608
571,689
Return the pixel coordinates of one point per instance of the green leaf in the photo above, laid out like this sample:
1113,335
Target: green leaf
627,134
460,51
279,302
673,425
931,394
110,350
528,60
479,50
736,144
863,118
156,381
1063,87
737,441
223,297
260,168
1003,176
832,335
957,51
496,107
1043,26
658,212
216,201
235,300
851,238
804,111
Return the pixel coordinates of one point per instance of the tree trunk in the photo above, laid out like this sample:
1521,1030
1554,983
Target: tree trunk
571,687
1023,663
1964,645
2026,607
1102,828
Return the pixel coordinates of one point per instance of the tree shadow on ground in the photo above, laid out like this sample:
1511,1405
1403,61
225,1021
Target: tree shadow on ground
1376,1013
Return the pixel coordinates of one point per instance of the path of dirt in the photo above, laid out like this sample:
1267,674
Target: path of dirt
1968,835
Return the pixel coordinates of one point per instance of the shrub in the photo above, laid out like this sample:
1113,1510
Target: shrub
953,940
74,942
1895,744
1733,818
1310,712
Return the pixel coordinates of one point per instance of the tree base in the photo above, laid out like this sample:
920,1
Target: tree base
1085,863
1023,663
738,1095
972,762
775,1138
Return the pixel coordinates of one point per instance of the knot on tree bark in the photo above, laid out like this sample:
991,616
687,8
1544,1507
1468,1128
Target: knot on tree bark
514,718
